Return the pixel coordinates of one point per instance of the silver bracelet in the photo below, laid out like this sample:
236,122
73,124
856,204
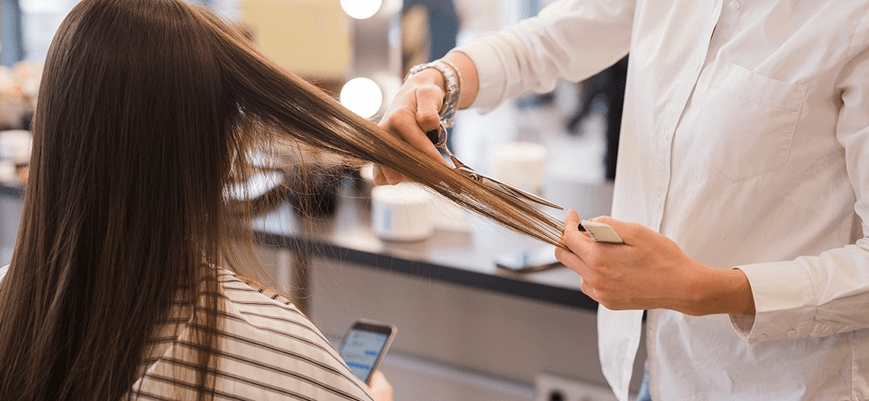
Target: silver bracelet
453,88
461,84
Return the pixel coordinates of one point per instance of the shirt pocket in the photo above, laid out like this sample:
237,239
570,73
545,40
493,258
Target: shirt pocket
748,122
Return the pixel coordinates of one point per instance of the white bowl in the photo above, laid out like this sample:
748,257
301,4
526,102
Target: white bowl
401,212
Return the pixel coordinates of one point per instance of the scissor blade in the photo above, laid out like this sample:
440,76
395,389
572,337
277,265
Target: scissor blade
519,193
506,188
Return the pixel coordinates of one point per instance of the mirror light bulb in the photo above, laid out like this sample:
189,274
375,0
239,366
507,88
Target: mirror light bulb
361,9
362,96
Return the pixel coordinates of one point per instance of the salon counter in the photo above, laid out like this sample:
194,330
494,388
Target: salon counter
11,192
459,257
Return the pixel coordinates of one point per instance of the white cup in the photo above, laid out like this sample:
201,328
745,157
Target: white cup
401,212
520,164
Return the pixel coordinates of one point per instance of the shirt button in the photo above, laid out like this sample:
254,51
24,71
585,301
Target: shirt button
698,65
792,333
762,337
734,5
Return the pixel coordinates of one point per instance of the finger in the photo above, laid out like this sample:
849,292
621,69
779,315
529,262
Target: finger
573,261
380,388
392,177
388,176
572,220
577,241
569,221
379,177
429,100
377,380
410,131
417,114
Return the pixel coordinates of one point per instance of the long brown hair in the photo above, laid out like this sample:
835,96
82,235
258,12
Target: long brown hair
148,111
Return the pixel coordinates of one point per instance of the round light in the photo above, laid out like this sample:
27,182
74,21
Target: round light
361,9
362,96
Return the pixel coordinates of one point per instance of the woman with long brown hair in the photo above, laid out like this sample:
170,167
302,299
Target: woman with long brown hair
149,110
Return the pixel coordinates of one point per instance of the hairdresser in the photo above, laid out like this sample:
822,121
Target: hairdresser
742,192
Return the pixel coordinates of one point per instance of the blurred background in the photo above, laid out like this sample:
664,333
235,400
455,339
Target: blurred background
457,340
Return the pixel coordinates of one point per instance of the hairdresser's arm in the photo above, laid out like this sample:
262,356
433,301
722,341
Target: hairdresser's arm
570,39
649,271
414,111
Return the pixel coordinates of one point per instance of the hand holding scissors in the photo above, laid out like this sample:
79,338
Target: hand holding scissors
438,137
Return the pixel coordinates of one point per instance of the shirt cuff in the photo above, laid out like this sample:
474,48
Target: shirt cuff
491,76
784,301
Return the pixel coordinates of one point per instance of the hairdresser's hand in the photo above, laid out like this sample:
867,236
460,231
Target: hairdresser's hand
649,271
380,389
412,113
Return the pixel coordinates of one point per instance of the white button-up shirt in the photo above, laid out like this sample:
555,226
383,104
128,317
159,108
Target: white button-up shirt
745,139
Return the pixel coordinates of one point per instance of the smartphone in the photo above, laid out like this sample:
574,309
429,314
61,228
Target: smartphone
365,345
528,261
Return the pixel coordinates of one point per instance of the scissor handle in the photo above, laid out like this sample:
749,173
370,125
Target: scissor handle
438,136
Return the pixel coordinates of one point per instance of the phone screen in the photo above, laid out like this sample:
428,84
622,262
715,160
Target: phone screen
361,349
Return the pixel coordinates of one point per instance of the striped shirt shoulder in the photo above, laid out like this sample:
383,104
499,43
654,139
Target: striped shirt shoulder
267,350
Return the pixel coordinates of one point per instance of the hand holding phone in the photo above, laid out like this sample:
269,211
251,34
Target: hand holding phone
379,387
365,345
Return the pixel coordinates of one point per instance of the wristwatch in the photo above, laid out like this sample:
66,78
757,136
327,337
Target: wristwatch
453,88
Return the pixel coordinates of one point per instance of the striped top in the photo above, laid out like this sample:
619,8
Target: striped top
267,350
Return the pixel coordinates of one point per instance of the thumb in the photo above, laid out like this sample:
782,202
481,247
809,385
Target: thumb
575,240
571,225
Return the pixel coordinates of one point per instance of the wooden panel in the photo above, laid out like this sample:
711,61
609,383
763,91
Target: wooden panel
308,37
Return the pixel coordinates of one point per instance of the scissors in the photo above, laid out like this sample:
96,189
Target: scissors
438,137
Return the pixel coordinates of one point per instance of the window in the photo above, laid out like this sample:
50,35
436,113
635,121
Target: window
11,46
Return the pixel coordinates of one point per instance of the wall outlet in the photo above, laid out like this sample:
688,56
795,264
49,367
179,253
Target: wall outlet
550,387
